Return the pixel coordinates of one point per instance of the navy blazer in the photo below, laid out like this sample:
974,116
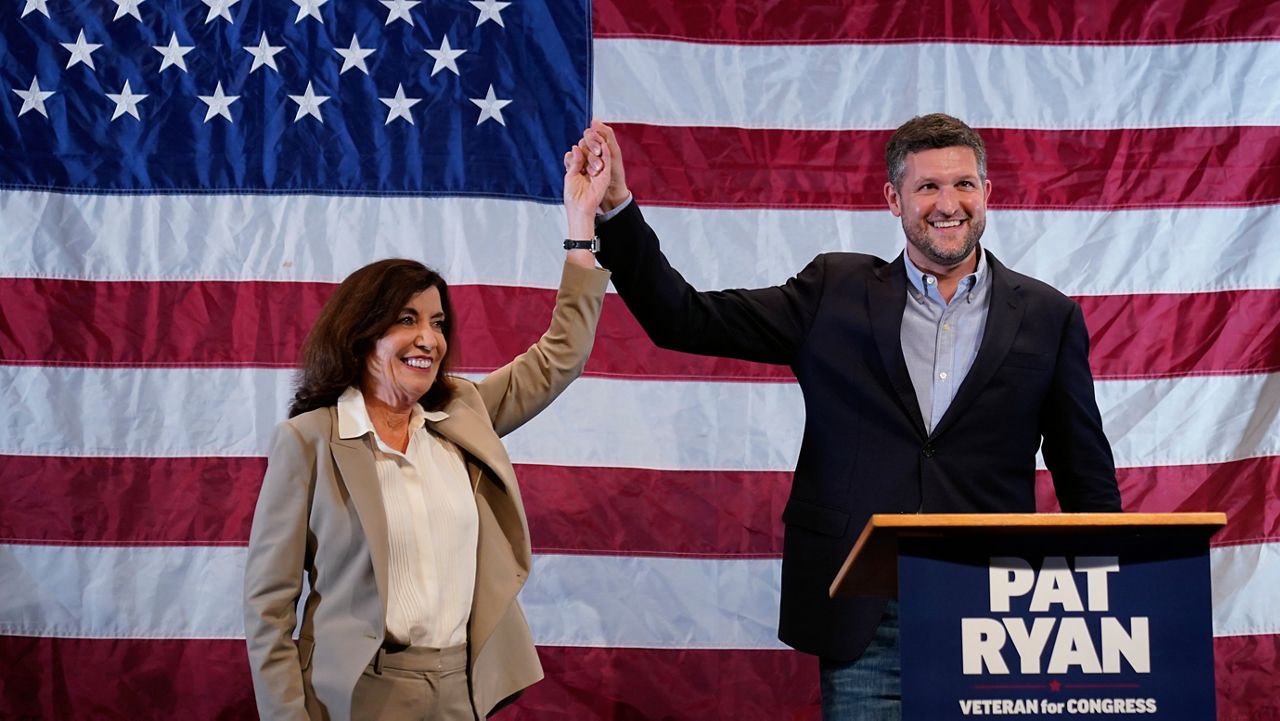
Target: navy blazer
865,449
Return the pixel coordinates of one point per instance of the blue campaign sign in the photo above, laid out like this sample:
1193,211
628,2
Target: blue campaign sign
1115,627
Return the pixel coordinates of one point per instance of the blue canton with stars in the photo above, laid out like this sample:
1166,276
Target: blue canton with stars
375,97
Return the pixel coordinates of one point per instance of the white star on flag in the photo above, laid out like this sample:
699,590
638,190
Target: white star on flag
126,102
33,98
446,57
308,104
81,51
398,107
399,10
353,57
127,7
219,104
491,107
219,9
264,54
173,53
309,8
34,5
490,10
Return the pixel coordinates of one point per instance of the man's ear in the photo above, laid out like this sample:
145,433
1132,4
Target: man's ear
895,201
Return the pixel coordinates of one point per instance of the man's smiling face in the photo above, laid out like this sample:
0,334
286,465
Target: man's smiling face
942,202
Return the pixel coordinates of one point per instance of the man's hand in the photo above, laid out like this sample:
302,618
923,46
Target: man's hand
599,143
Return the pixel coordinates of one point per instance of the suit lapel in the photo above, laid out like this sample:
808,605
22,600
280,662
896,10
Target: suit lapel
503,559
474,435
356,465
886,300
1004,316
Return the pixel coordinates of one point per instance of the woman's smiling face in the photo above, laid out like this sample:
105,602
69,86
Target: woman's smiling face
405,361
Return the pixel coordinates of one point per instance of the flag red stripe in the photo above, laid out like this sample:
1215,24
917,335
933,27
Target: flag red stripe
262,324
1043,169
128,501
1246,490
114,323
125,679
636,683
1021,21
1246,678
1160,335
210,501
637,511
624,511
209,679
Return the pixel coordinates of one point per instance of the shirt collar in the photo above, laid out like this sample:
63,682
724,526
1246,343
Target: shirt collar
354,421
916,277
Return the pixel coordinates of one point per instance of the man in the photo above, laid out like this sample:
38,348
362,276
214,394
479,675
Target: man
929,383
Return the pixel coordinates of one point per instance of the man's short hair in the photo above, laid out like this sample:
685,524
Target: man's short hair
931,132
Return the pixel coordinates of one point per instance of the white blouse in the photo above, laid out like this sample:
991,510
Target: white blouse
432,527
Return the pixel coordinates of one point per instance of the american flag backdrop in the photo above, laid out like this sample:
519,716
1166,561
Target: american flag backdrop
183,181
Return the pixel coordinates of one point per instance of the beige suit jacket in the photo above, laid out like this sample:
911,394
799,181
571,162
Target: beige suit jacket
320,515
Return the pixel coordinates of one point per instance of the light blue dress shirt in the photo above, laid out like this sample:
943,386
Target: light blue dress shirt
940,340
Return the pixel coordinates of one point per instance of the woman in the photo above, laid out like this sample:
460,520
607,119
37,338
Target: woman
389,491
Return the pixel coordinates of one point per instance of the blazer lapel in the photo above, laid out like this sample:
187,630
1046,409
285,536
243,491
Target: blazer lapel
886,301
503,558
1004,316
474,435
355,462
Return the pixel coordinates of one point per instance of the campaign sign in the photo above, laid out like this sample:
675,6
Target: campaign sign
1098,627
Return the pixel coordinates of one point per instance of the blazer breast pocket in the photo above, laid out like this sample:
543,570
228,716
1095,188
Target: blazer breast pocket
1030,361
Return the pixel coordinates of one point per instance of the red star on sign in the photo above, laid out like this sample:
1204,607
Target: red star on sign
1055,685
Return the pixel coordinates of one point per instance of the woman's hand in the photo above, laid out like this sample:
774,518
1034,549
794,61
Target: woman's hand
586,180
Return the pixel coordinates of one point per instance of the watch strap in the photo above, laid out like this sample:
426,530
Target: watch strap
592,245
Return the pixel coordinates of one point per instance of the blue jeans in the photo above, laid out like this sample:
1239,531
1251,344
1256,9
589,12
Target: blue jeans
870,687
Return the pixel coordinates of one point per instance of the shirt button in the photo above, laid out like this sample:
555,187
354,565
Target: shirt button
930,280
942,375
946,326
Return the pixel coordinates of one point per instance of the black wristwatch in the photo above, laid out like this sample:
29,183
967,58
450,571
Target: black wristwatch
592,245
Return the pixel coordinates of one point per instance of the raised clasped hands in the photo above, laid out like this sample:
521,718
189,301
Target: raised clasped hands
593,179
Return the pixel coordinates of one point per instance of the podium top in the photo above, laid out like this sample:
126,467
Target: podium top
871,568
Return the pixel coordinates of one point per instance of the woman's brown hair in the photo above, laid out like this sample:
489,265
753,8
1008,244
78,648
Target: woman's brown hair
357,314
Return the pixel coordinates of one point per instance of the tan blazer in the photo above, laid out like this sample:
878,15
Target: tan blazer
320,515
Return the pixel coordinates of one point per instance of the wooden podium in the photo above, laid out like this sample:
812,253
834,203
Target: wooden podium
1041,615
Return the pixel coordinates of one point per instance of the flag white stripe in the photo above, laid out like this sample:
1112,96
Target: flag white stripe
880,86
58,411
122,591
253,237
611,601
1245,579
649,602
275,238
